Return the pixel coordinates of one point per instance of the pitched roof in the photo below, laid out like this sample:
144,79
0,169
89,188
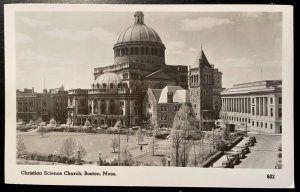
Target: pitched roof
201,57
181,96
156,93
164,93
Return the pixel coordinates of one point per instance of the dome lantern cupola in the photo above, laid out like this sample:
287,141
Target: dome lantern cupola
139,17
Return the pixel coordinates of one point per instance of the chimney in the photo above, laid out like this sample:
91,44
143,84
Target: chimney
170,97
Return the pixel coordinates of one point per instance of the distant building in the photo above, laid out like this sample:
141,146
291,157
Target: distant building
161,105
32,105
256,104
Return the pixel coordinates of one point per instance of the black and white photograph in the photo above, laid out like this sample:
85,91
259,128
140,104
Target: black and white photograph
148,87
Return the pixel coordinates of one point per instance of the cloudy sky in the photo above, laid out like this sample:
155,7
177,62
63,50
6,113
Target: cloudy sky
64,47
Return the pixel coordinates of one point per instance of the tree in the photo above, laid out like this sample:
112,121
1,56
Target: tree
81,151
52,122
127,158
153,144
225,130
114,143
87,123
68,148
215,139
184,123
39,122
21,148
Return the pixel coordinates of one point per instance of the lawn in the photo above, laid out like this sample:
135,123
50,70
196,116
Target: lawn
93,143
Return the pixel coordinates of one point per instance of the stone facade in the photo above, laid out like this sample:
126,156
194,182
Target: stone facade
139,63
257,105
204,92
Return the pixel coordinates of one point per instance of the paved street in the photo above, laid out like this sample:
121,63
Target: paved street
263,154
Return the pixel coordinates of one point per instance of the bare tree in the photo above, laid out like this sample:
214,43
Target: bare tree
68,148
114,143
52,122
184,123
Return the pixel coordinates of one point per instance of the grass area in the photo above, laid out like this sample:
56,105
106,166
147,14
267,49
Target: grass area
93,143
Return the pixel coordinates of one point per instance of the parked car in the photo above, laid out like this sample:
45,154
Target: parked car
252,139
278,164
234,157
241,152
227,164
280,147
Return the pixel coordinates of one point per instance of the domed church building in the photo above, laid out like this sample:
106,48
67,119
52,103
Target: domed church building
118,90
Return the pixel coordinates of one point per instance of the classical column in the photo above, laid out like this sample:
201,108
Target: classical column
263,106
99,102
249,105
76,105
107,107
92,106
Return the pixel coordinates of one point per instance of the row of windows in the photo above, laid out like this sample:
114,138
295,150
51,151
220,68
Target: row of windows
205,93
164,108
271,100
139,51
105,86
245,120
207,79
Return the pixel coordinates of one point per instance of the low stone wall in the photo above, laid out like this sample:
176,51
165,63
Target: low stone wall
219,154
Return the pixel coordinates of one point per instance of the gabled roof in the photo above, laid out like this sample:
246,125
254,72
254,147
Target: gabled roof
164,93
181,96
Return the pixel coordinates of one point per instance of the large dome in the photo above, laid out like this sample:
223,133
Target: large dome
107,80
139,44
139,32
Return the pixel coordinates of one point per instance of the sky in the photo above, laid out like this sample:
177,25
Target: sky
63,48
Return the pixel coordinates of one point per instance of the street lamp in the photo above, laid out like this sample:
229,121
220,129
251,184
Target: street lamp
99,152
169,161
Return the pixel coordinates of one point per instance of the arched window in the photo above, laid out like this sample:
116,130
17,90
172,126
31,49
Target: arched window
111,86
103,107
132,51
104,86
98,86
142,51
146,51
93,86
119,85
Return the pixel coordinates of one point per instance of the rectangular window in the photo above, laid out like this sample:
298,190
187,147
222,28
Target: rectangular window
253,100
266,125
271,100
280,100
271,112
279,112
261,124
257,124
252,123
252,110
271,126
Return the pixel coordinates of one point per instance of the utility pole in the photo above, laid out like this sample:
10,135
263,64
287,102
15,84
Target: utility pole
246,130
119,149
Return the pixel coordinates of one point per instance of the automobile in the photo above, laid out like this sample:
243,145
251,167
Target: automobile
234,157
252,139
278,164
227,164
240,152
280,147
